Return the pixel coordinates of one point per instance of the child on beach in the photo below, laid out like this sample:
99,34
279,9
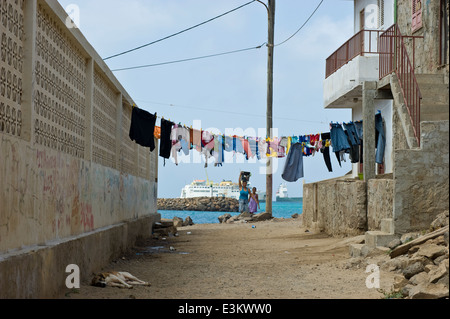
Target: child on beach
253,205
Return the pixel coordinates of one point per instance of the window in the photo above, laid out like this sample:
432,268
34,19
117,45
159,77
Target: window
416,23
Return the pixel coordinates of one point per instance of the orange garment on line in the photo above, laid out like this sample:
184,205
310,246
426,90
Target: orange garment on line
157,132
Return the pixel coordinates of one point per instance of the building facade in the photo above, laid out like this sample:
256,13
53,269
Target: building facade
396,64
74,189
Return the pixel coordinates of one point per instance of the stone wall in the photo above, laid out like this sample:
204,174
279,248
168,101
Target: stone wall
380,193
427,55
68,170
421,179
337,207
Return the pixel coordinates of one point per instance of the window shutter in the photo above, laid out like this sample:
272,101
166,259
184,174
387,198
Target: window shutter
416,23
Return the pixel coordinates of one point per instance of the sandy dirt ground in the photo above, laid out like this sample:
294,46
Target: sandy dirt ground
273,260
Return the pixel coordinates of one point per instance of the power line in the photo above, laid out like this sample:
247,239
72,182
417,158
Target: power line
178,33
189,59
229,112
304,24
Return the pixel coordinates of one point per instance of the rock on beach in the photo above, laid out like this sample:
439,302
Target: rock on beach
201,204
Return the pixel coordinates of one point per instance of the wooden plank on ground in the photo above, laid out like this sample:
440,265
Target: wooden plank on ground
403,249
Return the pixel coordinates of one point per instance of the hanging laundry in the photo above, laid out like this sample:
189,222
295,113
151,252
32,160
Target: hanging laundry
229,145
381,139
238,147
306,145
284,141
339,140
191,141
197,140
293,169
219,150
274,149
207,140
262,147
246,146
184,136
325,150
207,145
253,142
354,141
142,128
314,138
176,144
157,132
166,141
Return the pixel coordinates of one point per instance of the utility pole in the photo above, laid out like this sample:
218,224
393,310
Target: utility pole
270,45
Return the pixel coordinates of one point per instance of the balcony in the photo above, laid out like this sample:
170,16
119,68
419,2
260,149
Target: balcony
356,61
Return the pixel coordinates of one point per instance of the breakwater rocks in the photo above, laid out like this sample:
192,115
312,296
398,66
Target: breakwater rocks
200,204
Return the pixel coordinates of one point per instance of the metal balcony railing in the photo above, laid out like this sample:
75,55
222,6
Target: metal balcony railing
394,58
362,43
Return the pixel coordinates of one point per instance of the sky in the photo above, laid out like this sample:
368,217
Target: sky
226,93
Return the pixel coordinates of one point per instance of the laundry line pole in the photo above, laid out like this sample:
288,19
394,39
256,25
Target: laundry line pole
270,46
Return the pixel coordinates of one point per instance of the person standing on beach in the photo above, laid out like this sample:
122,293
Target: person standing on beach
244,195
253,205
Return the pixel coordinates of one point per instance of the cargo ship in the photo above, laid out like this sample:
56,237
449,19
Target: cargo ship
283,196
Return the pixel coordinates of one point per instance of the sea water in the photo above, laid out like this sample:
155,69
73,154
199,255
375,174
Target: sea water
279,210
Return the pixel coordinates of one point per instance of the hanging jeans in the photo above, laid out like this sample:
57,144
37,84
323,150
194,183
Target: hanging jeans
339,140
381,140
352,133
359,131
353,141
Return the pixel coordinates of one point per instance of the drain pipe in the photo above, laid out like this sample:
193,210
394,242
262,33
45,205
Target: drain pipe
395,11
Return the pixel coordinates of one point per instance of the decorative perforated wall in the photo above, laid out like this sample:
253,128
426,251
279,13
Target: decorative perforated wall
128,151
11,69
60,91
74,104
104,122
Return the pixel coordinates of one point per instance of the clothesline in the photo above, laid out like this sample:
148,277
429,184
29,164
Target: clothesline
175,138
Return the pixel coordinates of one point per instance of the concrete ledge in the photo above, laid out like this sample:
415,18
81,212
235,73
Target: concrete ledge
39,272
376,239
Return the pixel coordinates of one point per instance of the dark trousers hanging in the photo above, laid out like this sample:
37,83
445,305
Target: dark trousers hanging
166,141
142,128
326,152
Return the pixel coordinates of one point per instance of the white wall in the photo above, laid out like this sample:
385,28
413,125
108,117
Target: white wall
372,14
385,106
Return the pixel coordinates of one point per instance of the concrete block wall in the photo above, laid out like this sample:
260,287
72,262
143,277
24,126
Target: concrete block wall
337,207
421,179
72,183
380,193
